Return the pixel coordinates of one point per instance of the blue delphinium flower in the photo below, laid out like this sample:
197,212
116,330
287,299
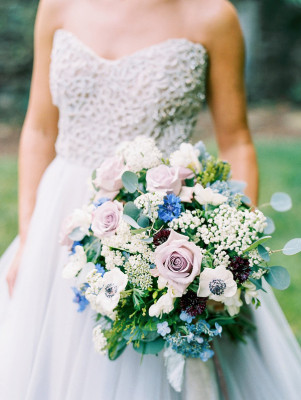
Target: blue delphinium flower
170,209
100,201
100,269
74,244
163,329
184,316
80,299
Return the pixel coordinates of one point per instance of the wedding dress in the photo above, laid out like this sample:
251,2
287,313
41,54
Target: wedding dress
46,351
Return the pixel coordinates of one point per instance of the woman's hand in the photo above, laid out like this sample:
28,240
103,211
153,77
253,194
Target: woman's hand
12,273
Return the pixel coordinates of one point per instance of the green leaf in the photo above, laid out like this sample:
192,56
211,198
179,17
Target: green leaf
281,202
139,230
153,347
270,228
264,254
130,181
278,277
292,247
257,283
117,349
189,182
131,210
257,243
143,221
129,220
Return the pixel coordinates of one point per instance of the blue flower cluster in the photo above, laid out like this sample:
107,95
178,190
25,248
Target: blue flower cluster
100,269
74,244
195,344
80,299
233,193
170,209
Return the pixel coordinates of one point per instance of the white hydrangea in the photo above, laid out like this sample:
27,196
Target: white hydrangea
232,229
113,258
187,219
76,262
99,340
258,274
140,153
138,271
125,240
149,203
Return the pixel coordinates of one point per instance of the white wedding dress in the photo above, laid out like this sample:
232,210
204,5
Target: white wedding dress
46,351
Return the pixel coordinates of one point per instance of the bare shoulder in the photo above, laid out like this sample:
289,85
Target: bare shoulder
213,20
51,13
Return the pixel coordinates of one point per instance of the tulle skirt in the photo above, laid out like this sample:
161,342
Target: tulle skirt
46,349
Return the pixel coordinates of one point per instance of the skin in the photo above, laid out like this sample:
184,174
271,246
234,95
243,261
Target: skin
117,28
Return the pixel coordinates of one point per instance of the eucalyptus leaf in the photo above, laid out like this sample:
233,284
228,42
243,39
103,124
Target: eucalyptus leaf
292,247
139,230
281,201
148,240
245,199
257,283
131,210
143,221
130,181
237,186
270,228
278,277
257,243
264,254
129,220
153,347
76,234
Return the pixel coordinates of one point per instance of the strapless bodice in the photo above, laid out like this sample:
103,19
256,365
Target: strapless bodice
157,91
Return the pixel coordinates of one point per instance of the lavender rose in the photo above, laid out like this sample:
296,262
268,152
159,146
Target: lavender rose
108,177
167,179
178,261
106,218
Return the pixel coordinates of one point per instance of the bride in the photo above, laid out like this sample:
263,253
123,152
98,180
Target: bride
106,71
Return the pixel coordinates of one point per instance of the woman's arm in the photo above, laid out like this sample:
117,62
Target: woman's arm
39,131
227,100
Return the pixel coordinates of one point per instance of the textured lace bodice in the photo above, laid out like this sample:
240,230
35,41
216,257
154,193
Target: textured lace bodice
157,91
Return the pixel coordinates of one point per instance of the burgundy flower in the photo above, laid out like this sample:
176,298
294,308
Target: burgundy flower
192,304
240,268
161,237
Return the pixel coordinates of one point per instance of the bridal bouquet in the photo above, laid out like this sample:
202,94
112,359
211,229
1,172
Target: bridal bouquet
168,254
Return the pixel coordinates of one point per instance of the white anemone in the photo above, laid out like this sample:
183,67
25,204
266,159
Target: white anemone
113,283
217,284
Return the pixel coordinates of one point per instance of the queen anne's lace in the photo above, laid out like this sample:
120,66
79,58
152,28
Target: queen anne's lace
157,92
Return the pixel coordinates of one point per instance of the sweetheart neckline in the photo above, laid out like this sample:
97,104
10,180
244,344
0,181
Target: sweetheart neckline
127,56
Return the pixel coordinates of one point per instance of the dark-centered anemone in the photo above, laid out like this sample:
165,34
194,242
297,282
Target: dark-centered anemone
192,304
161,237
240,268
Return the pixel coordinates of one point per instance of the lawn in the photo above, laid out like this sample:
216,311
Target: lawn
280,169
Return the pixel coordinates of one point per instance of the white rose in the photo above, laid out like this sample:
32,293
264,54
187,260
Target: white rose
186,156
206,196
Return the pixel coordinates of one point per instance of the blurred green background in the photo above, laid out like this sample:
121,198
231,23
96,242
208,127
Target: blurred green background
272,33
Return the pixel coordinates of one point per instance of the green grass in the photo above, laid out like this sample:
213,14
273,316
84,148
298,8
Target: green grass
280,168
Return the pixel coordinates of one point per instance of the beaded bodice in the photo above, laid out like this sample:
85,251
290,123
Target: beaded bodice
157,91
